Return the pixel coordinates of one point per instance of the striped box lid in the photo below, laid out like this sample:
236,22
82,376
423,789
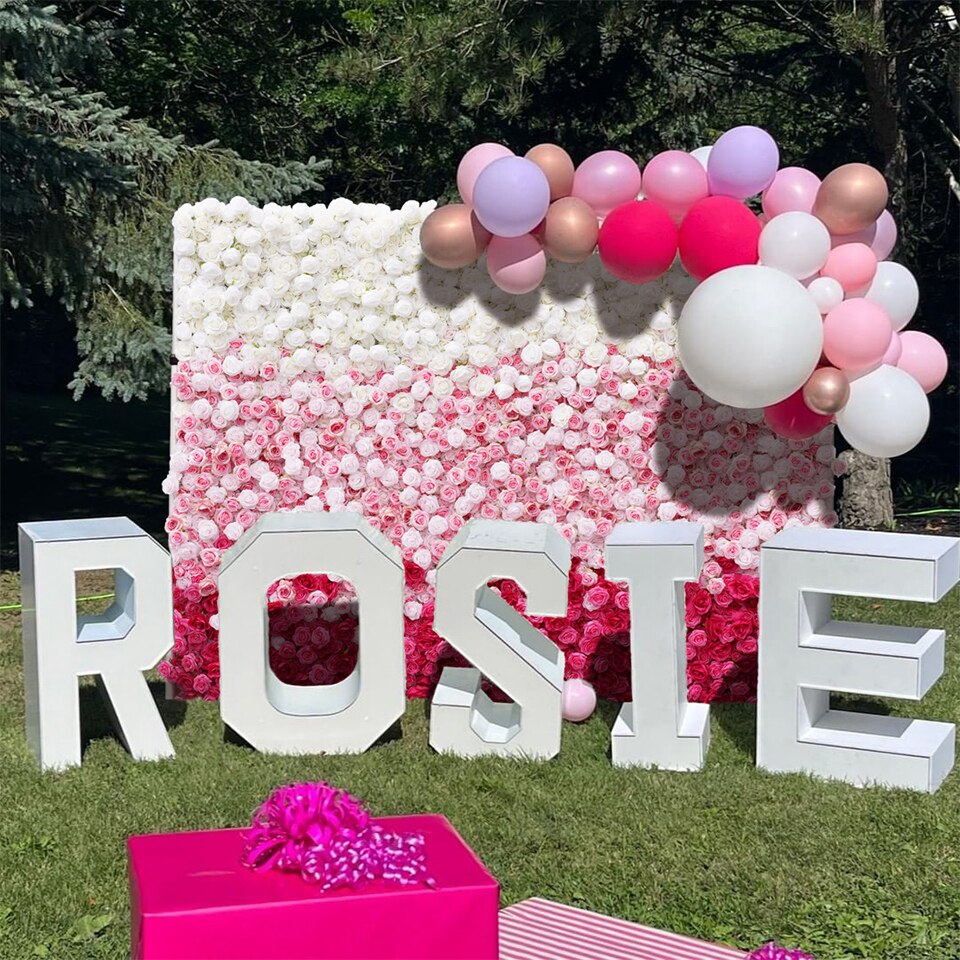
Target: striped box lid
539,929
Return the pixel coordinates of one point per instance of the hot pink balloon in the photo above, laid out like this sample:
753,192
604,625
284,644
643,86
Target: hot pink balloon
856,335
793,419
923,358
605,180
880,237
473,163
894,350
676,180
852,265
793,188
516,264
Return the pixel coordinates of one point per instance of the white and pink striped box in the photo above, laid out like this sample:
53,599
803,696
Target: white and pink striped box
538,929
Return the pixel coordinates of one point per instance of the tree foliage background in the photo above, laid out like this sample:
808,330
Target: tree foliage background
114,112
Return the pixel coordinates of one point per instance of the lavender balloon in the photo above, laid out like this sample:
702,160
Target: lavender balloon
511,196
742,162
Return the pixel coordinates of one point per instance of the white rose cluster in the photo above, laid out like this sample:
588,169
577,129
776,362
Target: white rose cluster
343,286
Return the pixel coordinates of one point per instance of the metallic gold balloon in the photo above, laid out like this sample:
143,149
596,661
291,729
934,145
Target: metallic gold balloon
556,165
827,391
452,237
570,230
850,198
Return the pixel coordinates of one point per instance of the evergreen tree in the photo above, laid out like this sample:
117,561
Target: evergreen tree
87,194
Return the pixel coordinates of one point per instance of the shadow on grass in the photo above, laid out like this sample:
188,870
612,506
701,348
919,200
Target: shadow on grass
739,722
855,704
393,733
96,714
93,458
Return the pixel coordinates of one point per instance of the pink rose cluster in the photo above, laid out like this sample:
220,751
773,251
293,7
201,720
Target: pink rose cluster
582,444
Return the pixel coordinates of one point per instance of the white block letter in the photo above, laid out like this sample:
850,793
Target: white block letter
504,645
344,717
116,646
804,654
659,727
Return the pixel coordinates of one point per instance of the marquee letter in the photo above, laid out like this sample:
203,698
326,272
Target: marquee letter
506,647
344,717
804,654
659,727
116,646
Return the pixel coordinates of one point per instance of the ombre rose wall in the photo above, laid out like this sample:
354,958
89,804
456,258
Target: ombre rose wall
322,366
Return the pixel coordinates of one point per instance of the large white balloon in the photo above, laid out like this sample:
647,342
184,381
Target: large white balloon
887,413
796,243
750,336
895,289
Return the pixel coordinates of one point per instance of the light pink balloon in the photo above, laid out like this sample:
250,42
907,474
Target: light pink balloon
886,236
676,180
893,351
579,700
852,265
880,237
856,335
605,180
516,264
923,358
793,188
472,165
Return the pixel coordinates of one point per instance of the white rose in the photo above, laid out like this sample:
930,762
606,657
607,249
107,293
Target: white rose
560,417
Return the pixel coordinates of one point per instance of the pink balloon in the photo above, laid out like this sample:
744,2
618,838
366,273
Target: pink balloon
923,358
579,700
886,236
793,188
852,265
894,350
605,180
793,419
676,180
856,335
880,237
472,165
516,264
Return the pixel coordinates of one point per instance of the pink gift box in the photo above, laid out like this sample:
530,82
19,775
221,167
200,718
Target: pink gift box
542,930
191,897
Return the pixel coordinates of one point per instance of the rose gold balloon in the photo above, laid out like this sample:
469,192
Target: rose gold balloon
850,198
570,231
827,391
452,237
556,165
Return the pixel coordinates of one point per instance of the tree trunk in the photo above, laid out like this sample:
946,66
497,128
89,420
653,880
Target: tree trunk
866,500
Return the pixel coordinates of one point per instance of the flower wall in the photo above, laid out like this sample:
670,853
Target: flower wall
322,365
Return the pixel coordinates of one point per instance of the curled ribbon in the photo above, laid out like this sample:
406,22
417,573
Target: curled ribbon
326,835
772,951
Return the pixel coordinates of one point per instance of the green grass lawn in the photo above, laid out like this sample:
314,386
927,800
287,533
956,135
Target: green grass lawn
730,854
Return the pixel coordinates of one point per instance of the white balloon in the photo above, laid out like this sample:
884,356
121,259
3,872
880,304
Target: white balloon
887,413
895,289
826,292
701,155
749,336
796,243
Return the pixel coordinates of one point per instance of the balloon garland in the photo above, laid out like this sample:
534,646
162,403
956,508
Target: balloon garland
798,311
